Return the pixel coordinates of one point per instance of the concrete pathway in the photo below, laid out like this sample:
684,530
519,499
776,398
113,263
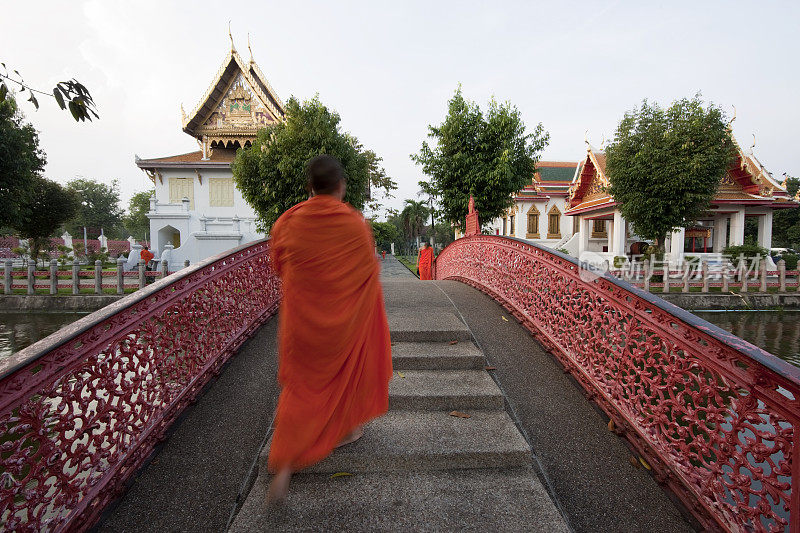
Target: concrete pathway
419,468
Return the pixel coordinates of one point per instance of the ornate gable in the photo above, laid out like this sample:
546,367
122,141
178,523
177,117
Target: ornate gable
589,188
239,102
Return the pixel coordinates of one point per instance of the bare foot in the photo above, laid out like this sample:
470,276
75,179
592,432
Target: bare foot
353,436
279,487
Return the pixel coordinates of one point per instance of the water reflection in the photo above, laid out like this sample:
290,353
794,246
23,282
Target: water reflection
19,330
775,332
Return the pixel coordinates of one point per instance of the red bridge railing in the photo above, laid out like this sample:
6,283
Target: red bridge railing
81,410
716,417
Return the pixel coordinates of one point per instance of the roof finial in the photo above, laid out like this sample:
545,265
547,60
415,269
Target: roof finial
603,141
248,47
233,48
586,137
730,123
754,143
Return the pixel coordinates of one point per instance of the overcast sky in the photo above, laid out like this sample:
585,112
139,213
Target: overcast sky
389,68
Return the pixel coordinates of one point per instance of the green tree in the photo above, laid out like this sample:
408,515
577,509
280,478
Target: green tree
99,208
786,222
271,174
414,217
385,234
487,156
665,165
135,220
50,205
21,161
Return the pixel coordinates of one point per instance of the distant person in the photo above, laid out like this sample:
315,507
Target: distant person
383,253
333,340
425,262
146,256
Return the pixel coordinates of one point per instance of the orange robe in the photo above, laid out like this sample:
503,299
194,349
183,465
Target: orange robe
425,263
333,341
146,256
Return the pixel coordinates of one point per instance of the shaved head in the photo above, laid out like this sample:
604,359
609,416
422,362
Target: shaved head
325,175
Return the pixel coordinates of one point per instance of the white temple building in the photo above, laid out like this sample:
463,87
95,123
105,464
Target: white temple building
197,211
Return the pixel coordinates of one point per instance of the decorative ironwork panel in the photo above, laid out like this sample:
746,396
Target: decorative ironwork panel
716,417
82,409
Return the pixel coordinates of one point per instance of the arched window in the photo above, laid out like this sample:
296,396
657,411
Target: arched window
554,223
533,223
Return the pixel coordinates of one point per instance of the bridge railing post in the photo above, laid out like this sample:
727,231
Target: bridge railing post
646,271
120,275
164,268
782,275
725,270
53,276
686,271
704,267
762,273
76,281
142,266
665,276
98,277
743,274
31,277
7,276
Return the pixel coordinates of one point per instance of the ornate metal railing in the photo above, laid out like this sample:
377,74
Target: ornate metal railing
81,410
717,418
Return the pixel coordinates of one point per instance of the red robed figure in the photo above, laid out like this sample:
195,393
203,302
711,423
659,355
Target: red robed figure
425,262
333,345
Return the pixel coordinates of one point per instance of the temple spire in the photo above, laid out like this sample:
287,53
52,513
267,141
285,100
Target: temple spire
233,48
250,49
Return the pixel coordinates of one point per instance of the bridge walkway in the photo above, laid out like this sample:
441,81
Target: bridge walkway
577,467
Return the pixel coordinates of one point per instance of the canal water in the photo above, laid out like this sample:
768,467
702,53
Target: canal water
21,329
774,331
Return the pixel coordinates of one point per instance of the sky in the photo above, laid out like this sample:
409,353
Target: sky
389,68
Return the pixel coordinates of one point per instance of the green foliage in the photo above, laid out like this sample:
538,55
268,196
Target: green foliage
50,205
563,250
21,162
746,250
786,222
619,260
487,156
414,216
443,234
63,254
69,94
791,261
135,221
385,234
99,208
665,164
271,174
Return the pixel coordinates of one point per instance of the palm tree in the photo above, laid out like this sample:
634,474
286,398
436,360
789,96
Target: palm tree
414,216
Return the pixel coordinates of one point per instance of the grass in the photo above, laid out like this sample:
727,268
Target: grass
409,261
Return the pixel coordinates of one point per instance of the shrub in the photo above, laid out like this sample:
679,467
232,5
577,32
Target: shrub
619,261
791,261
746,250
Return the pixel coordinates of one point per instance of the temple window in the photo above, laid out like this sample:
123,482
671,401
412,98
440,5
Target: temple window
220,192
513,228
533,223
554,223
599,228
505,226
576,225
180,188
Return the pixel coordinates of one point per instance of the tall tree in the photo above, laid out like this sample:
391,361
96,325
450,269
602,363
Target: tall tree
99,209
271,174
385,234
135,220
487,156
665,165
21,161
786,222
50,205
414,216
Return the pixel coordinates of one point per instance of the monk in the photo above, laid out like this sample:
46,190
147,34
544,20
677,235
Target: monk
334,351
146,256
425,262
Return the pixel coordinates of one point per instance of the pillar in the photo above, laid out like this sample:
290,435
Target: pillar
737,228
583,240
618,235
765,230
676,246
720,234
392,244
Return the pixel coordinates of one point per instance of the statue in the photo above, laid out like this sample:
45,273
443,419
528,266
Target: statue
473,225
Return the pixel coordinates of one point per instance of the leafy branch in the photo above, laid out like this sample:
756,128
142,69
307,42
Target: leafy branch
70,95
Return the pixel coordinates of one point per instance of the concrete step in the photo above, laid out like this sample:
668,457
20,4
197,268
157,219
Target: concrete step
436,356
462,500
443,390
426,326
403,441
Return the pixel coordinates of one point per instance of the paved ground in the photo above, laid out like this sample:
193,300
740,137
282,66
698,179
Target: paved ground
194,481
